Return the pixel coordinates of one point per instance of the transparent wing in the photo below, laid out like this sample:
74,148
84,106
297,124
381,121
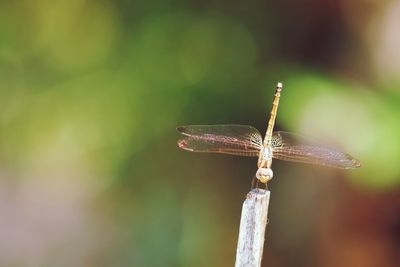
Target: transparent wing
232,139
292,147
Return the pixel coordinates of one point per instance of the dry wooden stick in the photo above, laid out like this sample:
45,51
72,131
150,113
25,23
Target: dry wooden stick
252,228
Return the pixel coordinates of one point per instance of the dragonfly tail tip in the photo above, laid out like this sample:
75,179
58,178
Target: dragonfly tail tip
279,86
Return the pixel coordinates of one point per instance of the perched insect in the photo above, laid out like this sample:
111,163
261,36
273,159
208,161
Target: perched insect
243,140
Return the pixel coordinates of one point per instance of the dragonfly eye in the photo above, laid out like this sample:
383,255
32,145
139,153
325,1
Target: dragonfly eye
264,174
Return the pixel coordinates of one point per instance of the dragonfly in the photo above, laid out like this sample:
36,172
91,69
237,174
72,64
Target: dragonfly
244,140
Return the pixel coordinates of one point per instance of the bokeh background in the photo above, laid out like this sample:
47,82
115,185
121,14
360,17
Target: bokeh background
91,92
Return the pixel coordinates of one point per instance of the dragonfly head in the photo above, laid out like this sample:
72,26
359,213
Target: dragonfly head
264,174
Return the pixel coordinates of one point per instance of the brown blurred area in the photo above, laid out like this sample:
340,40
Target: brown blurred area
368,233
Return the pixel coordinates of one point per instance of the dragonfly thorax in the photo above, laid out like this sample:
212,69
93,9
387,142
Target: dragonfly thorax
264,174
264,157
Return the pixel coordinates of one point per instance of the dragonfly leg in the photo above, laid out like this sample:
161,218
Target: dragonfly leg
266,186
254,182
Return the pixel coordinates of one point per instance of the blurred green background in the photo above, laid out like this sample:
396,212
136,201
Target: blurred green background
91,92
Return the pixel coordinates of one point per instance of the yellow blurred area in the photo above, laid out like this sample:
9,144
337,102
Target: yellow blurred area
69,35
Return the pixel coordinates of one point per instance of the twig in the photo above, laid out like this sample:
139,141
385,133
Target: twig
252,228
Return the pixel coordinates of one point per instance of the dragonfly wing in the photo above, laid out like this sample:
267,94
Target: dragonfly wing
293,147
232,139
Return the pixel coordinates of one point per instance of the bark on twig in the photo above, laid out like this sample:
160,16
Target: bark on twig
252,228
